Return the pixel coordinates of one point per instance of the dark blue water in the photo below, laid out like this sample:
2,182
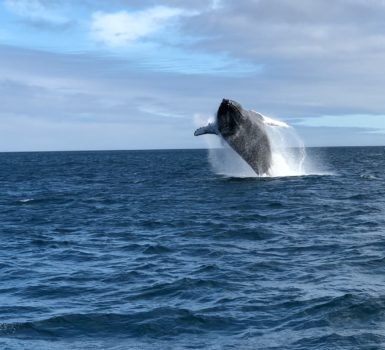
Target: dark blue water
152,250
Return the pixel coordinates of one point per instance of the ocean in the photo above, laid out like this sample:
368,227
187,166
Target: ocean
159,250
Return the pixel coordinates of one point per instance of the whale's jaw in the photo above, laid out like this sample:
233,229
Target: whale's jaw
229,117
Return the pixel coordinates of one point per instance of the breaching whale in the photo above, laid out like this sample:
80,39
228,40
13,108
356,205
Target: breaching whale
245,131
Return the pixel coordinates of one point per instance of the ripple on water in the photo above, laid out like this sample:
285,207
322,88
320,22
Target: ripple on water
101,252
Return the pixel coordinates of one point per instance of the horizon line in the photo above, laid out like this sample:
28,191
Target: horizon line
169,149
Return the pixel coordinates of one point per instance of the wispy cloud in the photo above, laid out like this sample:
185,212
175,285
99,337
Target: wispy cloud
368,122
36,11
159,112
216,4
122,28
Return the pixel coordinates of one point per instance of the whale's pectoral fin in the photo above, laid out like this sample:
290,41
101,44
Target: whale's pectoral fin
208,129
270,121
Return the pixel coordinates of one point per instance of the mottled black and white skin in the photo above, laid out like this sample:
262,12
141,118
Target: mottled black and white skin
245,132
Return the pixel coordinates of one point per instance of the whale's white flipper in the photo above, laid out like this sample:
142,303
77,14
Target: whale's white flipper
273,122
270,121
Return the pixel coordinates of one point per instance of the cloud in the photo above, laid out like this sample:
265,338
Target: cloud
334,136
215,4
296,60
152,39
34,134
317,58
287,29
368,122
36,12
122,28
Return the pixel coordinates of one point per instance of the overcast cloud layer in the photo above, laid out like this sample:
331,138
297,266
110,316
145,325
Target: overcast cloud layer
133,74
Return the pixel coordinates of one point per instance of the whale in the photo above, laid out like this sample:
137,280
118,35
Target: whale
245,132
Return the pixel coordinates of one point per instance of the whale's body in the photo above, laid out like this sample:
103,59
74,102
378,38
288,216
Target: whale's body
245,132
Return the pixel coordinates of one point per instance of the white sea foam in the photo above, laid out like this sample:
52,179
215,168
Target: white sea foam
26,200
288,152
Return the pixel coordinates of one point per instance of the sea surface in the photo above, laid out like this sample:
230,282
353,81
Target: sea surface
155,250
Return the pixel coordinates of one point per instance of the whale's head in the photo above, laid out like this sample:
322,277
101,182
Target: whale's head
229,117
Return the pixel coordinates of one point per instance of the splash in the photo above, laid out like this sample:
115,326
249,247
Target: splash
288,153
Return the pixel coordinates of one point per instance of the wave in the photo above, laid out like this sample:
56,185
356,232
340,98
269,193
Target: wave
301,322
158,322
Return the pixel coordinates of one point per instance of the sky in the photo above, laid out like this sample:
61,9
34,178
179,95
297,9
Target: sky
139,74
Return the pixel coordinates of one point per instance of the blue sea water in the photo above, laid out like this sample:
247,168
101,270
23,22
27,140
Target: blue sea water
154,250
